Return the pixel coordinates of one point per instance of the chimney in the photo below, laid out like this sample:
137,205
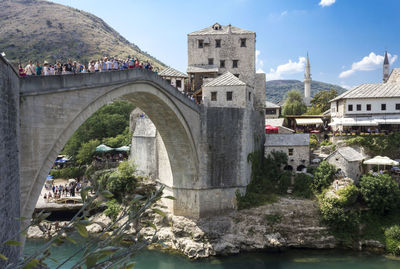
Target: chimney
229,29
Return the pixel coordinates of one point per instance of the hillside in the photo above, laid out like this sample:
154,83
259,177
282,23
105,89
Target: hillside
277,89
42,30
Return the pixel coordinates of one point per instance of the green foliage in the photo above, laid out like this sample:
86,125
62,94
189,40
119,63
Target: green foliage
320,101
294,104
338,216
392,239
302,186
121,182
380,192
68,172
326,142
387,145
348,195
106,123
267,178
113,209
119,140
323,176
86,151
313,142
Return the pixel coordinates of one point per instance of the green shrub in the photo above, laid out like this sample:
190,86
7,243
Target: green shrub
253,199
348,195
86,151
302,186
380,192
392,239
313,142
323,176
326,142
113,209
284,182
122,181
68,172
337,216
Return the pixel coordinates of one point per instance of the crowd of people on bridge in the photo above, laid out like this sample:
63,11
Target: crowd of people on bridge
73,67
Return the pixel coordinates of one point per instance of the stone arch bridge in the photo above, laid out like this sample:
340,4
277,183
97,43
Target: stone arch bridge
207,147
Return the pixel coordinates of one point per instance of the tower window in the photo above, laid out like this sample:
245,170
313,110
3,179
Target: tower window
368,107
243,42
210,61
358,107
222,63
290,152
228,96
178,83
249,96
213,96
383,106
397,106
200,44
217,43
350,107
235,63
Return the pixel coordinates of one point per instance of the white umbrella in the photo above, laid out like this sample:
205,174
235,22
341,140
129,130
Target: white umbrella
71,180
379,160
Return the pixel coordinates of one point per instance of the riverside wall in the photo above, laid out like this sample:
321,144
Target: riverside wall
9,159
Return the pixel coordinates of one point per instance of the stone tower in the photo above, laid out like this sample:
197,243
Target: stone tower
386,68
307,83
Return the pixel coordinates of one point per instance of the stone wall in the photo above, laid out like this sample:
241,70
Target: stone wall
9,159
300,157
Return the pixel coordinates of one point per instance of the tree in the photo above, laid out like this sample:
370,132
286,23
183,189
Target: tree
85,153
380,192
294,104
320,101
323,176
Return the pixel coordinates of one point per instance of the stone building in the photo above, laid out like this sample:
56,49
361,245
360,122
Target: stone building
296,146
227,91
216,49
349,161
271,110
369,107
174,77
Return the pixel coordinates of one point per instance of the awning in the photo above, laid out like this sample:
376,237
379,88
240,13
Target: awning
355,122
103,148
388,121
310,121
123,148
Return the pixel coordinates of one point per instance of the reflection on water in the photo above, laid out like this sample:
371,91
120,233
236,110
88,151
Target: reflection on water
293,259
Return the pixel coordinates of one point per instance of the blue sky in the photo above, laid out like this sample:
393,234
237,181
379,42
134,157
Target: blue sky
346,39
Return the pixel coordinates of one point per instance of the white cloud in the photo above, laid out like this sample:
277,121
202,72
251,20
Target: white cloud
368,63
259,62
285,12
347,87
288,68
326,3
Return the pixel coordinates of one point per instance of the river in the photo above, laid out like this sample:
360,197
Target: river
291,259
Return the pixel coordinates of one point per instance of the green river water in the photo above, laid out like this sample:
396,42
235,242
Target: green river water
291,259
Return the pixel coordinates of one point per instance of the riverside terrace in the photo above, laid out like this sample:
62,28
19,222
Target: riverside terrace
207,147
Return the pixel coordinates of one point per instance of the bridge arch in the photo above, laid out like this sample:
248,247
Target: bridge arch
177,123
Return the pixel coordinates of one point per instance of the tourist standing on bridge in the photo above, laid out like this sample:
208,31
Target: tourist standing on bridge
38,69
29,70
46,70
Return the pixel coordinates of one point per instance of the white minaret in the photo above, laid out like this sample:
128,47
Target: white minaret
386,67
307,83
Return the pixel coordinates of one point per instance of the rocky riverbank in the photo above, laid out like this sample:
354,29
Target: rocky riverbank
288,223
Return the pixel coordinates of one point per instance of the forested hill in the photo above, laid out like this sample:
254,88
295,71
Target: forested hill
277,89
42,30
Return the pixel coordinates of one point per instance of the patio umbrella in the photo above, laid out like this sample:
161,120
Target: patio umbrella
71,180
49,178
381,160
103,148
